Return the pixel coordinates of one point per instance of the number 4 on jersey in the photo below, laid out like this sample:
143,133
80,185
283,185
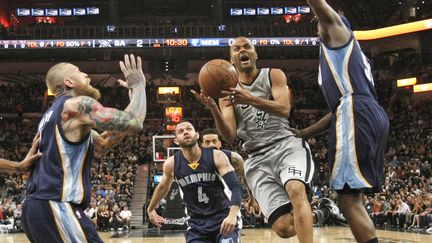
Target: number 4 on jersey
202,197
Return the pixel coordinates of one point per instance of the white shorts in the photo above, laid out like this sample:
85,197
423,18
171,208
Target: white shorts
267,174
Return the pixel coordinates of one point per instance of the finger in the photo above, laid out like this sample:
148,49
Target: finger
35,156
122,83
36,137
139,64
132,60
123,68
222,230
127,62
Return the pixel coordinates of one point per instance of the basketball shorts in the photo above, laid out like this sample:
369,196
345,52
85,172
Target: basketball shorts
268,173
53,221
207,229
357,143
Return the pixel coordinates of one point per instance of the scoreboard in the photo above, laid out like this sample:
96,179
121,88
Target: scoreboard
152,43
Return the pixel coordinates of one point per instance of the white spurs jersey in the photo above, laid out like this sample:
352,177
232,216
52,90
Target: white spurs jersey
256,128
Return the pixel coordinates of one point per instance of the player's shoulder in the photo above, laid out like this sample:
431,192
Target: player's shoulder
277,76
169,164
219,155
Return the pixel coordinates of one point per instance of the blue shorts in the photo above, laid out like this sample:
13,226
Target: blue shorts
53,221
207,230
357,143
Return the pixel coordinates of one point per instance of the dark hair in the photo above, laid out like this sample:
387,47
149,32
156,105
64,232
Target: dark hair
209,131
182,121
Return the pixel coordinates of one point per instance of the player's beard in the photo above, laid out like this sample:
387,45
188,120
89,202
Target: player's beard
89,91
189,144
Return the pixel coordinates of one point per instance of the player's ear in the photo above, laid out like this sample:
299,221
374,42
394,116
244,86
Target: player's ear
197,135
69,82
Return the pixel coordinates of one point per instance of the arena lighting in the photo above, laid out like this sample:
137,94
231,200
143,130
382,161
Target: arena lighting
422,88
168,90
49,93
394,30
406,82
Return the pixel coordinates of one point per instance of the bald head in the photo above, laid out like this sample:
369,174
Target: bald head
56,76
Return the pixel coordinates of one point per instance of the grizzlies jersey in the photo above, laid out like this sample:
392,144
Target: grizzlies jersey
343,72
203,190
63,172
256,128
227,153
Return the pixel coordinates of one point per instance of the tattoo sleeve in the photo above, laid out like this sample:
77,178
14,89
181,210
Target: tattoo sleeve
109,119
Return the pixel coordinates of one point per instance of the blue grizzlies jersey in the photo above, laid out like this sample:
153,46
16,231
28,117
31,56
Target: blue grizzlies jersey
203,190
344,71
227,153
63,172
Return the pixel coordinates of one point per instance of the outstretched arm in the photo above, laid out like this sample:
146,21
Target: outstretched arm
26,164
331,28
225,170
224,118
118,123
161,191
315,129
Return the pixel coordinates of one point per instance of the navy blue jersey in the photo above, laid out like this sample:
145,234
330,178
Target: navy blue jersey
344,71
63,172
203,190
227,153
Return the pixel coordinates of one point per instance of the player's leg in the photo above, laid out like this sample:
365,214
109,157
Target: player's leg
296,171
39,223
86,225
269,192
196,232
357,217
303,220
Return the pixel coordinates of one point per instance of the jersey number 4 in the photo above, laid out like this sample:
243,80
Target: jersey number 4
202,197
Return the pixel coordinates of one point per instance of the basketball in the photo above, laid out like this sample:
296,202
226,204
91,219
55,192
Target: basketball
217,75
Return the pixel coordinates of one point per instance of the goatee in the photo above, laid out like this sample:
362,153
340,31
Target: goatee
89,91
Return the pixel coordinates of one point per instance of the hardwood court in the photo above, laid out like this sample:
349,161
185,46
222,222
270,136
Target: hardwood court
322,235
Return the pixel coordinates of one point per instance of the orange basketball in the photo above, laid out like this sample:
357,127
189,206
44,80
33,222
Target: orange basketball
217,75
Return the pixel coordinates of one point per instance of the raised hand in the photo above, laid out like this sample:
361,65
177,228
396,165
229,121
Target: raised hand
132,70
208,101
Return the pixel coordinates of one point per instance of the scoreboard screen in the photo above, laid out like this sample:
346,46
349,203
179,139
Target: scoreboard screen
153,43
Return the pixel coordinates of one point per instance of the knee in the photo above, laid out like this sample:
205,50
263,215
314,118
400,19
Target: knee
296,190
284,230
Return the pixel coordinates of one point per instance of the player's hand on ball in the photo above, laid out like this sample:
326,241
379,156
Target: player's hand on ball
132,70
155,218
228,225
208,101
239,95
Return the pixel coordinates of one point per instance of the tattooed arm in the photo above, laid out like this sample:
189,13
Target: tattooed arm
82,113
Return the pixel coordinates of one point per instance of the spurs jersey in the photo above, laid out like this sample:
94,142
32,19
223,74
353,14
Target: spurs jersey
203,190
256,128
63,172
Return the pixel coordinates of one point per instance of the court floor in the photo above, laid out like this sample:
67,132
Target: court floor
322,235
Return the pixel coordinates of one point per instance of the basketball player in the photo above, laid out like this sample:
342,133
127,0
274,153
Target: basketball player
358,125
59,187
27,163
280,167
199,171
